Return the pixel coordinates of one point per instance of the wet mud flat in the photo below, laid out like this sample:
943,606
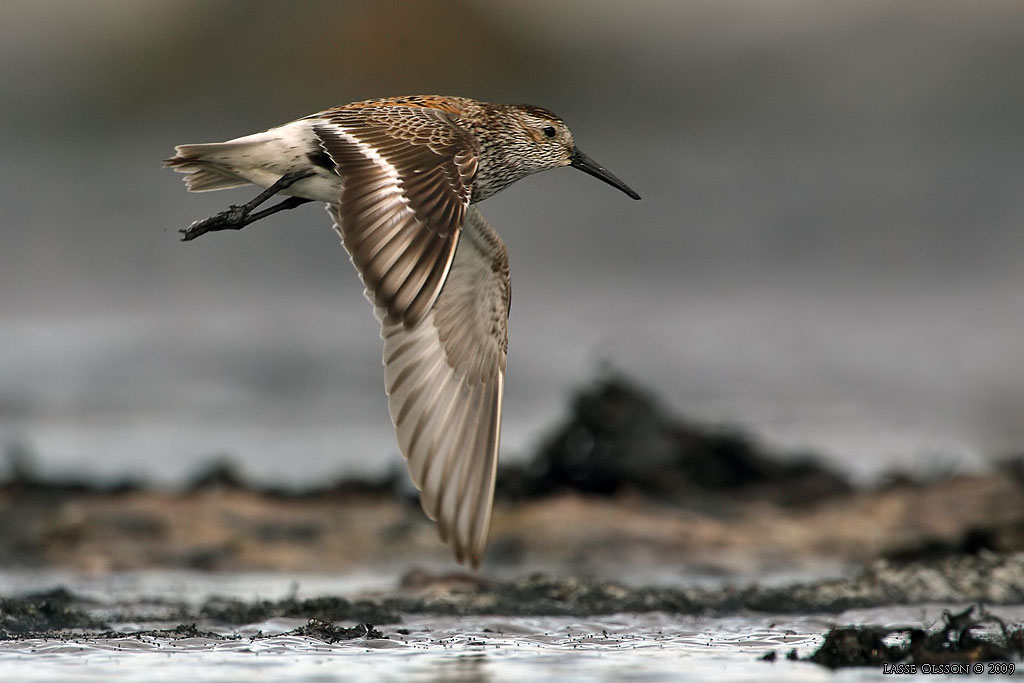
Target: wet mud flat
619,492
425,600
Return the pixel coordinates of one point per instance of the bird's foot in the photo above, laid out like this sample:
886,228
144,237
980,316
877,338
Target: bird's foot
235,217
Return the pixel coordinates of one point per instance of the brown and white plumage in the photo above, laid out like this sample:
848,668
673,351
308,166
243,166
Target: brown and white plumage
445,379
406,176
399,176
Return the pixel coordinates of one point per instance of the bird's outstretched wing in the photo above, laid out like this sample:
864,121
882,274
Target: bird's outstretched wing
445,378
406,177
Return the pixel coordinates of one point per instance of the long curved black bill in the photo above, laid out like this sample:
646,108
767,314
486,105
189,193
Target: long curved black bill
587,165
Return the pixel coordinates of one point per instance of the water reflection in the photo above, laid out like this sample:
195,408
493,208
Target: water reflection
464,668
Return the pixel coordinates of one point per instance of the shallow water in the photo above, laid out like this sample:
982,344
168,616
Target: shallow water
622,647
619,647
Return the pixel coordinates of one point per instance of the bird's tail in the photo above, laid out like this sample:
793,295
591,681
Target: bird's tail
209,165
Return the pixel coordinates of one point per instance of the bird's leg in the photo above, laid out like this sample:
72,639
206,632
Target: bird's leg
236,217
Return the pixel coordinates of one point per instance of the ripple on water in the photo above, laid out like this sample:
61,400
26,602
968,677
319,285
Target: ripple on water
626,647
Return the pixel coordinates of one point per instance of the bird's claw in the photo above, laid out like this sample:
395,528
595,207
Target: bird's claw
232,218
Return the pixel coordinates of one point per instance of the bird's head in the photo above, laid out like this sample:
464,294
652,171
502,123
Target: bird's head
549,144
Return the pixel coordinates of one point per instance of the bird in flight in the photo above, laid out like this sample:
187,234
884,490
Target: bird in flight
400,176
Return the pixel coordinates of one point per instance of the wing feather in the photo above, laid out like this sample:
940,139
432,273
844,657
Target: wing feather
406,174
445,379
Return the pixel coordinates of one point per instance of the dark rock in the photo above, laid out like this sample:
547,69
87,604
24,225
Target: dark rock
219,473
177,633
329,633
953,646
21,617
857,646
617,437
325,609
996,538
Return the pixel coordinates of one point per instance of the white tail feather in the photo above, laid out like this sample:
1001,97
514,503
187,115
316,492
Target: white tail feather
211,166
260,159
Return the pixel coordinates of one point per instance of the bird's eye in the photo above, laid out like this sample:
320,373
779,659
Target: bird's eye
549,131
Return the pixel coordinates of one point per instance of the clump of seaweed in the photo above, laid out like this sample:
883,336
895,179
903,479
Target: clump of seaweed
955,643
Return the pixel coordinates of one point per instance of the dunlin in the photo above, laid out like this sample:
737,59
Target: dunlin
399,176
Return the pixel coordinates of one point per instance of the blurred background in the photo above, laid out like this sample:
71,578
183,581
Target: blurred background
827,254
